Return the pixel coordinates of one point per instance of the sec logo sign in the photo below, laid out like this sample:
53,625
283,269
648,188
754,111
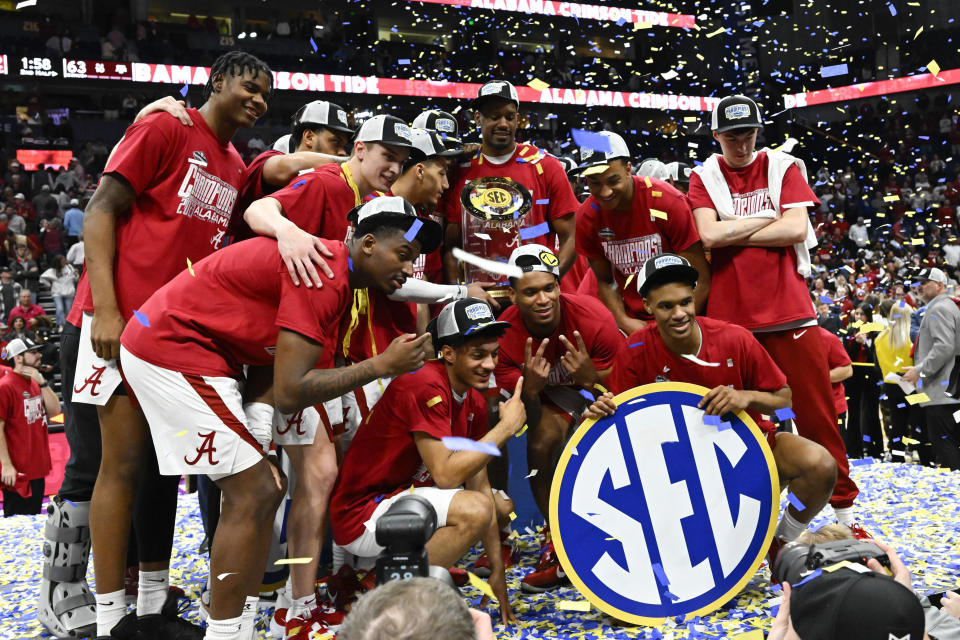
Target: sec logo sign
655,514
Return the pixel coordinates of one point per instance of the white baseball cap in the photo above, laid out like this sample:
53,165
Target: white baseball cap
390,209
282,143
430,144
593,161
324,114
386,129
932,273
535,257
20,345
653,168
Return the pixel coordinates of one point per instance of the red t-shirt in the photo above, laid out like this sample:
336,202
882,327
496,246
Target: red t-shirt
542,174
21,409
318,202
228,314
836,357
383,459
28,314
744,364
253,189
187,183
577,313
627,240
756,287
376,329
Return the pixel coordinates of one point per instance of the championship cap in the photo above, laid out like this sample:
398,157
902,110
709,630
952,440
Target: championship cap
498,89
653,168
386,130
19,196
321,113
441,122
846,603
397,212
461,320
593,161
735,112
535,257
282,143
20,345
666,267
74,202
679,171
932,273
429,144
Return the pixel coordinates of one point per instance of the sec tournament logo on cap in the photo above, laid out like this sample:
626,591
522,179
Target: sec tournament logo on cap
657,513
491,87
737,111
403,131
478,311
666,261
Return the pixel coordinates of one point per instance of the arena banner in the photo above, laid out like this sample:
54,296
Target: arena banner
870,89
578,10
656,513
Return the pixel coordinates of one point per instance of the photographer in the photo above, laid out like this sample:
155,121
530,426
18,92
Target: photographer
414,609
401,448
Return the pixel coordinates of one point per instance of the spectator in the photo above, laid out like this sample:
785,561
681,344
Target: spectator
73,222
9,292
26,309
61,278
858,233
75,254
24,449
15,221
863,428
51,238
45,204
25,270
18,329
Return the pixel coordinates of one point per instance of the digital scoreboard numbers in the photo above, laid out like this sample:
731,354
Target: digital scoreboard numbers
38,67
656,514
97,69
4,67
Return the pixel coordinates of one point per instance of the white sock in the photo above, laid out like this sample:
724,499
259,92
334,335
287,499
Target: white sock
789,528
302,605
110,608
152,591
224,629
339,558
845,516
248,619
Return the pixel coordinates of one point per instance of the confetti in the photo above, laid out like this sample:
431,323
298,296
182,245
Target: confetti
190,267
298,184
656,213
694,359
538,85
573,605
224,575
481,586
717,32
434,400
711,420
454,443
591,140
23,4
141,317
785,414
933,68
795,501
292,561
313,43
917,398
532,473
413,230
181,433
535,231
833,70
184,89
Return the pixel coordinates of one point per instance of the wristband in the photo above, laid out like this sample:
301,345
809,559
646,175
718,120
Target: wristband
44,384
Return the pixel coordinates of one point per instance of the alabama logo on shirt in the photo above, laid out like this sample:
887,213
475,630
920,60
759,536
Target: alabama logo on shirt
33,408
204,196
629,255
660,511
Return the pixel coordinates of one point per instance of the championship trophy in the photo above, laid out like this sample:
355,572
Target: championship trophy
496,208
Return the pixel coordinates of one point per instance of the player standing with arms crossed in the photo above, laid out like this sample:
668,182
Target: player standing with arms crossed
751,211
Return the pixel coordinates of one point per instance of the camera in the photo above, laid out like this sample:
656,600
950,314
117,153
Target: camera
796,559
403,531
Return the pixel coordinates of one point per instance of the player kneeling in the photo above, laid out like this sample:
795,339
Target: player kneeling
729,361
400,447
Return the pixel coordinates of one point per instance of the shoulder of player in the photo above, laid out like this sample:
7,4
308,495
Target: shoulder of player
576,303
588,208
721,330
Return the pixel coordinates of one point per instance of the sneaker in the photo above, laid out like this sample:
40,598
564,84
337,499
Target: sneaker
344,587
168,625
127,628
548,557
459,576
859,532
482,566
545,579
278,621
311,626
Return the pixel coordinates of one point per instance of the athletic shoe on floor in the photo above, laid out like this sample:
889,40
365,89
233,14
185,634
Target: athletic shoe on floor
544,580
312,626
168,625
459,576
482,566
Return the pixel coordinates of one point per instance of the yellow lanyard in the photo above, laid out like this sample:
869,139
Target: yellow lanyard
345,171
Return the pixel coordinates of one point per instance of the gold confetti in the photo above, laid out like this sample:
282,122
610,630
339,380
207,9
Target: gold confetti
919,31
434,400
190,267
573,605
626,283
292,561
513,516
181,433
537,84
716,33
933,68
756,634
656,194
917,398
481,586
656,213
892,198
521,432
641,25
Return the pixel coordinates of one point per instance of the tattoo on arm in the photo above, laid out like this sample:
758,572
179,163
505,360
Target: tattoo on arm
320,385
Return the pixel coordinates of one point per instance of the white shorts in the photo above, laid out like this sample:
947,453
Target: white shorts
94,379
197,422
366,545
298,428
357,405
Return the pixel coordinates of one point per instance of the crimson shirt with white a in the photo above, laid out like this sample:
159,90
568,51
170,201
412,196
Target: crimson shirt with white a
577,313
22,412
318,202
628,239
382,321
540,173
836,357
756,287
743,363
187,183
383,458
229,313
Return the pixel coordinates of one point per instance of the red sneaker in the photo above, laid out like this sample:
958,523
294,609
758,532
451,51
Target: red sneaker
308,627
482,566
545,579
344,587
548,557
459,576
859,532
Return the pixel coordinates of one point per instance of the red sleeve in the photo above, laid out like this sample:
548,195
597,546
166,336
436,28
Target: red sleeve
478,426
6,404
836,355
760,371
303,201
507,371
795,190
311,312
253,186
679,227
140,154
624,375
588,242
562,200
697,194
433,420
607,339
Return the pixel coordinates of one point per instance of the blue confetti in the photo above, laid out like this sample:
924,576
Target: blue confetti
454,443
413,230
591,140
893,9
543,201
403,61
661,575
795,501
712,420
297,185
723,426
811,576
785,414
535,231
635,344
183,91
834,70
349,263
313,44
141,317
825,300
586,394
